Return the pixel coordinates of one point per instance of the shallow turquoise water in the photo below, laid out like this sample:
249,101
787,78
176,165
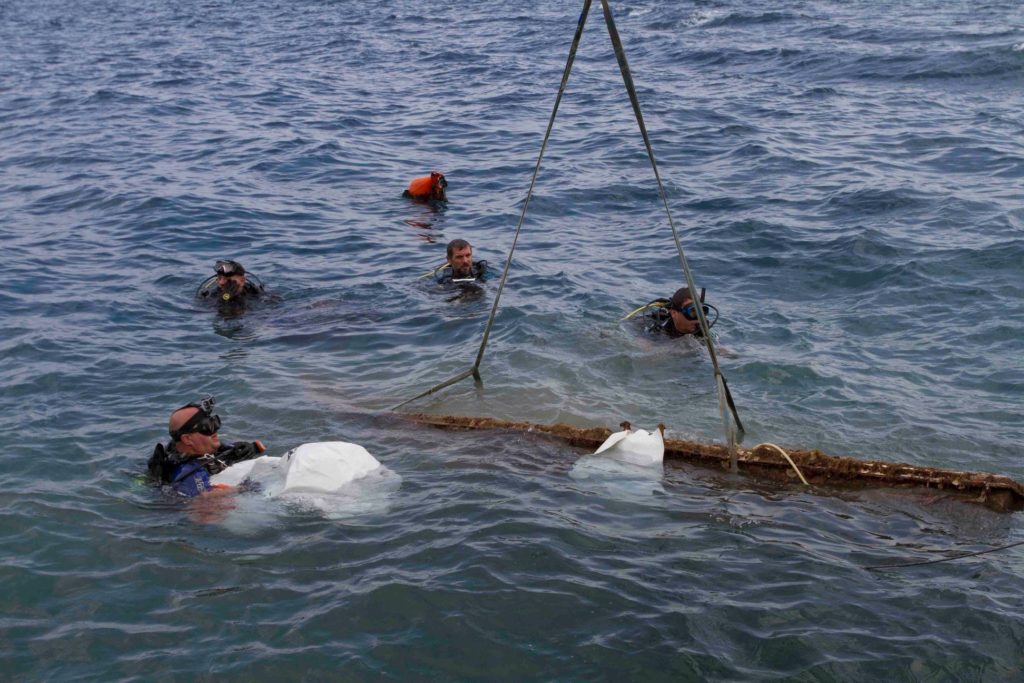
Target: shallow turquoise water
847,178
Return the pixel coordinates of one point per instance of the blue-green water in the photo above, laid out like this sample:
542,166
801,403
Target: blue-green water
847,179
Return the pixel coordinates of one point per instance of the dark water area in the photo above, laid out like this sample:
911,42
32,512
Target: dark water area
847,181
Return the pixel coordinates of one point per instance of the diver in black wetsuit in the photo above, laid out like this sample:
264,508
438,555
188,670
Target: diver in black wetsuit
676,316
195,451
231,286
682,316
461,268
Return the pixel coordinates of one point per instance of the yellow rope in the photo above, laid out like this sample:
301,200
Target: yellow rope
786,456
443,265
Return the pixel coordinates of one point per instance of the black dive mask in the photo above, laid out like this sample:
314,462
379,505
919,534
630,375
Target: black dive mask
228,268
204,421
690,311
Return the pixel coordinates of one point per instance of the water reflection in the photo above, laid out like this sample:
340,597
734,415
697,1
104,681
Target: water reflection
424,230
235,354
427,219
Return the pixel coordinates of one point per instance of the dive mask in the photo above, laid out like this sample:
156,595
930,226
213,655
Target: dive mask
204,422
228,268
690,311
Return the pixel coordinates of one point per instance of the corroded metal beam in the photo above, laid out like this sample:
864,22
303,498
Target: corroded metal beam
992,490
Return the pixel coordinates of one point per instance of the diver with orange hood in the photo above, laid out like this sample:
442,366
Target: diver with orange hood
431,187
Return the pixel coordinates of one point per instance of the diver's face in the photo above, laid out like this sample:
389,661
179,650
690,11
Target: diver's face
231,283
683,324
462,260
195,443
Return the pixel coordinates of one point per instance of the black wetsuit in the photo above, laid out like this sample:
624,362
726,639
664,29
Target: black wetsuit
230,303
477,272
250,292
189,475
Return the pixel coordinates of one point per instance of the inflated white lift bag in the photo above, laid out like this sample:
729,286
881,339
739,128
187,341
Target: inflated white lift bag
638,447
310,468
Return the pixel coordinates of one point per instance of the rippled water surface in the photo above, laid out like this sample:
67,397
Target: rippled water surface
847,180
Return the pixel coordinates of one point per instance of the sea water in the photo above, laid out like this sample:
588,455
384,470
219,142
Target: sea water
847,182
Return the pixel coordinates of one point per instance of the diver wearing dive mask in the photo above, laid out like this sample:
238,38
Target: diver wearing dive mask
677,316
195,451
682,314
231,285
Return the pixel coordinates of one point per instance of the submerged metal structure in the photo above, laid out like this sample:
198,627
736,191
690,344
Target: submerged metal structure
994,491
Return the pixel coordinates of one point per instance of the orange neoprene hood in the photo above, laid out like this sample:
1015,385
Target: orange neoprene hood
428,187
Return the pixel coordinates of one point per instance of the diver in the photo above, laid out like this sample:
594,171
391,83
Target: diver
460,267
231,285
431,188
676,316
195,451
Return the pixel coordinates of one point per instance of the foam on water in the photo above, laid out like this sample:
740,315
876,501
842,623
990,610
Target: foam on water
617,478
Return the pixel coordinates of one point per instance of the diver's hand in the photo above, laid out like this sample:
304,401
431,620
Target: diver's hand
240,451
213,506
